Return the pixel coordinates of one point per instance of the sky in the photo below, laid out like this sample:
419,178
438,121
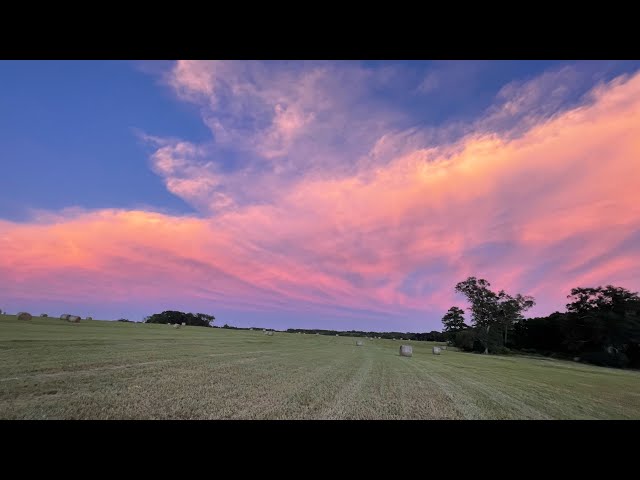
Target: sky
292,194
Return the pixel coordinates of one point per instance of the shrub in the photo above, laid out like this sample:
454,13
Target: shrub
465,340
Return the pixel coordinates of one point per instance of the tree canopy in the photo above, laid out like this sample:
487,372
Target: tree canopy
453,320
601,325
172,316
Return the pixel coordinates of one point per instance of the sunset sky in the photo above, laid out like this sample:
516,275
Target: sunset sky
340,195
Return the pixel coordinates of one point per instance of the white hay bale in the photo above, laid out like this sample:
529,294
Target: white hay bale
359,343
336,334
176,325
24,316
270,333
73,319
406,350
576,359
264,329
436,350
183,324
251,329
443,347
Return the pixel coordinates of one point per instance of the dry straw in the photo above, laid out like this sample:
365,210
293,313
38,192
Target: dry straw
406,351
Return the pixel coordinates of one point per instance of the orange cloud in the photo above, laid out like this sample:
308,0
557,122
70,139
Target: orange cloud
539,213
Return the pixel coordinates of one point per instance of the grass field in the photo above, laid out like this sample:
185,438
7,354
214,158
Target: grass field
51,369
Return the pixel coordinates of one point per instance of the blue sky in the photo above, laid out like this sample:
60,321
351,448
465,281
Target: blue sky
278,167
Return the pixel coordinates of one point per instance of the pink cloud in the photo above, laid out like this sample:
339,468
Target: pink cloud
392,237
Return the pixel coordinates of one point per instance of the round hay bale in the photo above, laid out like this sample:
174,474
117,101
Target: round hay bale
176,325
270,333
337,335
436,350
406,351
184,324
24,316
73,319
359,343
44,315
576,359
64,316
443,347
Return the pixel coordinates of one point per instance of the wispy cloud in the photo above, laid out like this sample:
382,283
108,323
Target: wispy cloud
338,203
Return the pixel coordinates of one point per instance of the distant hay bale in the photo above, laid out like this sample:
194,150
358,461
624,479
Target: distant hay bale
576,359
436,350
183,324
359,343
89,318
251,329
24,316
443,347
269,333
73,319
64,316
264,329
406,350
176,325
337,335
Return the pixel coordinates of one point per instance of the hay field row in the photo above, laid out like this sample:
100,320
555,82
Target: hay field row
52,369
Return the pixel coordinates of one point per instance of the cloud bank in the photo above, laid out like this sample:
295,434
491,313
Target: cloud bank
317,197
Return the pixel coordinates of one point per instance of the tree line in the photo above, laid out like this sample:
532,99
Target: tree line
432,336
173,316
601,325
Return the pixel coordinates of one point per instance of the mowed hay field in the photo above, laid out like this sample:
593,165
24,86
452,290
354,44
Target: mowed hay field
52,369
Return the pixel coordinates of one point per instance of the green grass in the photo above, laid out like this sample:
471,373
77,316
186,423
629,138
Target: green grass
108,370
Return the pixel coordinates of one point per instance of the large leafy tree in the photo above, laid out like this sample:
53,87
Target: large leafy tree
492,311
510,310
603,318
484,306
453,320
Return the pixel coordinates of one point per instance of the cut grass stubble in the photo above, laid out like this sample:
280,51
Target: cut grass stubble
53,369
